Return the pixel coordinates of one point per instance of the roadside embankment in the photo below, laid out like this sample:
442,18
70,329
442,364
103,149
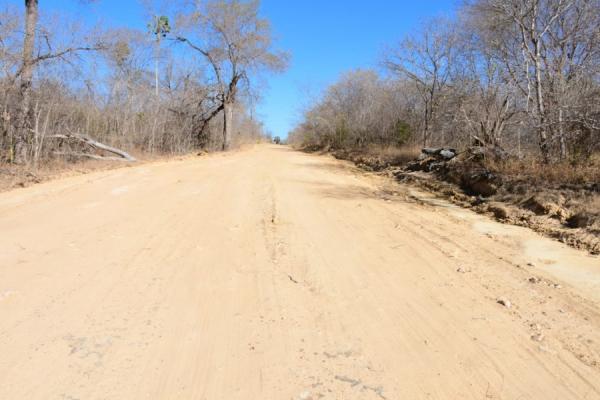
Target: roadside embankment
558,201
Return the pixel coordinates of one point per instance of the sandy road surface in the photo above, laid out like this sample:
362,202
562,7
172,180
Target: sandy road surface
271,274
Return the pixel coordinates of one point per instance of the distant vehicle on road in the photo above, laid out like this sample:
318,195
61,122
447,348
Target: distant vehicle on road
277,140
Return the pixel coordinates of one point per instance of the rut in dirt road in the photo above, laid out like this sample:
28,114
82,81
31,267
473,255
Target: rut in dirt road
273,274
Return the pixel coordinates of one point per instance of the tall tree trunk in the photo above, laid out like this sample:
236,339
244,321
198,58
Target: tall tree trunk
541,106
540,101
426,124
564,151
24,118
227,125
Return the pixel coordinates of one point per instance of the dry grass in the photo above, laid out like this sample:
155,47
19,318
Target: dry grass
17,176
394,155
537,172
591,205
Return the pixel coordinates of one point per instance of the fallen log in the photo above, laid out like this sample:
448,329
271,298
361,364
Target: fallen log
123,155
92,156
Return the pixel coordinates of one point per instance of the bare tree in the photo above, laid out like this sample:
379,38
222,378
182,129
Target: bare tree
486,100
58,100
516,76
24,120
360,109
426,59
237,43
547,48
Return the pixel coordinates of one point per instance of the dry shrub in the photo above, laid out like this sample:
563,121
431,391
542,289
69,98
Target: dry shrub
394,155
536,172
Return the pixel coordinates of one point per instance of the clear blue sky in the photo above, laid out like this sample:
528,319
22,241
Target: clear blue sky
325,38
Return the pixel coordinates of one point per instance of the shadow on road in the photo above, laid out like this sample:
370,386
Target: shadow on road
329,166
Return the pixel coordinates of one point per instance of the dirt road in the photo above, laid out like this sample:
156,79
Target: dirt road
272,274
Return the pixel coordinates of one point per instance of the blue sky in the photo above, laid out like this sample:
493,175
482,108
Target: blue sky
325,38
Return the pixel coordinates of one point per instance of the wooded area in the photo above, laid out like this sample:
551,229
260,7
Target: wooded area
519,77
189,82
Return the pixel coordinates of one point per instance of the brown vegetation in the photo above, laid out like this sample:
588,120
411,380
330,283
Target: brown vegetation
519,77
71,92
